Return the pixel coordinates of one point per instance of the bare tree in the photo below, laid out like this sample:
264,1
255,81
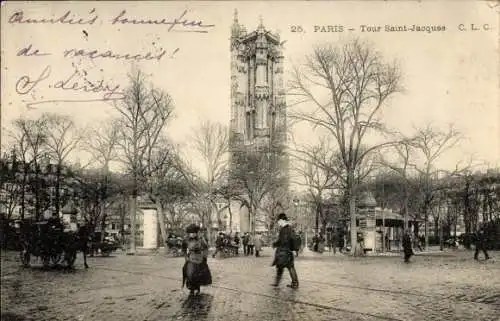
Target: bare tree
210,144
254,179
401,166
347,87
29,137
430,144
101,143
160,174
63,137
9,186
319,169
175,200
228,195
143,116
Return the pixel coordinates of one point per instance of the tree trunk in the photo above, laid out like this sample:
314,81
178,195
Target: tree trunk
352,210
133,213
426,234
37,194
23,195
58,186
103,219
230,216
437,225
161,221
318,210
252,221
209,232
354,230
405,208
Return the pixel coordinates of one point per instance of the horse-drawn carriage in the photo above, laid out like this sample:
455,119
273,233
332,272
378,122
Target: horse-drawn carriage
49,241
103,244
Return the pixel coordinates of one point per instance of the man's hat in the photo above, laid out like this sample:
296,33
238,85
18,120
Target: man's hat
282,216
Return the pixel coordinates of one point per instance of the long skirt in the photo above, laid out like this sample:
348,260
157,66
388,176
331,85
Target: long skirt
196,275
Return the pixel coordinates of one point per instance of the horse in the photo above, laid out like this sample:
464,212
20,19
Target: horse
78,241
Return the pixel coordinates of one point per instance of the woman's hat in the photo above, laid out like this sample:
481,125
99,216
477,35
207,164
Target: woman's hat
282,216
192,228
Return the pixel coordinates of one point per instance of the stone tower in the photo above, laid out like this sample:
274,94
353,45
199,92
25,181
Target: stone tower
258,106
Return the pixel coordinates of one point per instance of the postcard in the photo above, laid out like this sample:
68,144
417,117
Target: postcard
216,150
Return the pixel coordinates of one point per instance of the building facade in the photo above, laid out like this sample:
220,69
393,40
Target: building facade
31,190
258,105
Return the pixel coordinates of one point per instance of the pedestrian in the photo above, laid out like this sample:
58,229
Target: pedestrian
407,248
244,240
481,243
321,243
258,244
302,243
250,244
195,272
333,242
283,257
341,243
236,241
219,244
315,241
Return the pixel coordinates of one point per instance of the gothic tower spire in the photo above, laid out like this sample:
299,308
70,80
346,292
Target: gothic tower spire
236,28
258,107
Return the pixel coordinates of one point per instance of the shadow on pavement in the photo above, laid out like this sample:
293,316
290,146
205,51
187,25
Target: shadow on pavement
197,307
103,257
8,316
55,269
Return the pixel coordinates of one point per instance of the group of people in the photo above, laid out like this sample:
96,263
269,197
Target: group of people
225,243
196,272
251,243
480,241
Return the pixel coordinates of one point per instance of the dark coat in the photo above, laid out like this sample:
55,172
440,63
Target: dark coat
283,257
195,275
480,239
407,244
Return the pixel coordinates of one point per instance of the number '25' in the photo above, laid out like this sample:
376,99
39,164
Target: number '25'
296,29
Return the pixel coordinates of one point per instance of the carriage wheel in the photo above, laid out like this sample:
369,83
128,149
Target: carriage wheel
105,252
56,258
25,257
46,260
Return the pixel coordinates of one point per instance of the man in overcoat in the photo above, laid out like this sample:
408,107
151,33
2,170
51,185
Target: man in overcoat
481,243
283,257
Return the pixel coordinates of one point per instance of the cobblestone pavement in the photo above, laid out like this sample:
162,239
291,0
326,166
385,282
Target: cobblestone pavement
445,286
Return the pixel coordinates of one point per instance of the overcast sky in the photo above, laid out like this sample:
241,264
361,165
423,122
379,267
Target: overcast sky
449,76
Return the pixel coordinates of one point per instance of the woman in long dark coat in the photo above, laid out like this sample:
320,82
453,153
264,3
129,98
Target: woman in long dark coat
283,257
195,272
407,247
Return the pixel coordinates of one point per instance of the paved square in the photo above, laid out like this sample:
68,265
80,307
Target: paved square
445,286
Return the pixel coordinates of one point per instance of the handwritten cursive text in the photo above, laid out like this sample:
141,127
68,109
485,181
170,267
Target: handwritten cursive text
18,17
77,81
94,54
181,21
30,52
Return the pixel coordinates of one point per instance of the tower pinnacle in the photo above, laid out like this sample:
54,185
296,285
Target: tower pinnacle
261,24
236,28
